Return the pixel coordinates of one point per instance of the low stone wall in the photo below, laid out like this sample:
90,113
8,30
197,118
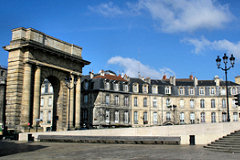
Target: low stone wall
204,133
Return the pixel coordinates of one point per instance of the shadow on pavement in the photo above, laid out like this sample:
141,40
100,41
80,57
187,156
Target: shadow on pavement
11,147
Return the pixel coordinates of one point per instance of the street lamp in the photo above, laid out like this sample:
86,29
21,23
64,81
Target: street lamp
68,81
225,61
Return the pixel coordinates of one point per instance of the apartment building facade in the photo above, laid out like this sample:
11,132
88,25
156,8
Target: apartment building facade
110,100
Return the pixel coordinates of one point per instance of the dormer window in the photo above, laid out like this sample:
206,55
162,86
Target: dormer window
212,91
154,90
181,91
126,88
135,88
86,85
191,91
201,91
167,90
223,91
145,88
234,91
107,86
116,87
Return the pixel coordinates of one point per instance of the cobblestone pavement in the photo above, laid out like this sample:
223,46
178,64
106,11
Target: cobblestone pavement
46,151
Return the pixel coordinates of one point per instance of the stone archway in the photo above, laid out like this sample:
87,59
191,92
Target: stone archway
34,56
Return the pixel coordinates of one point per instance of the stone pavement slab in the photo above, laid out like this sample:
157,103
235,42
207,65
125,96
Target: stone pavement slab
66,151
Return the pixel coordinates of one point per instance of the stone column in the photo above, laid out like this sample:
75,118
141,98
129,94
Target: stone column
71,101
36,99
26,95
78,103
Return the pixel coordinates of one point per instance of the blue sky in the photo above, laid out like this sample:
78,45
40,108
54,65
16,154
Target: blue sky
153,37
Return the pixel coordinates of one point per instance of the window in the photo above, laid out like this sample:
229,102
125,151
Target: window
168,102
223,103
192,103
2,72
145,90
46,88
42,102
181,117
155,118
154,89
145,119
192,118
41,115
116,117
107,100
235,116
224,117
116,101
201,92
181,91
107,116
203,117
135,88
135,101
213,117
126,88
135,117
233,103
49,117
116,86
154,102
212,92
86,85
85,101
168,116
181,103
213,103
50,89
202,104
223,91
167,90
145,102
125,101
107,86
126,117
50,101
191,91
234,91
85,115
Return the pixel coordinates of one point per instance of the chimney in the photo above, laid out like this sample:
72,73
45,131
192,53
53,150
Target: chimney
173,80
217,80
195,81
164,77
91,74
102,72
237,79
148,80
191,77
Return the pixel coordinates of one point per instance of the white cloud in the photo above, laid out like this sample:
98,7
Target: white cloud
187,15
106,9
132,67
173,15
221,45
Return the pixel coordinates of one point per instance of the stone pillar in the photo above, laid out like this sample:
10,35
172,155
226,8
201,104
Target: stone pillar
78,103
71,101
36,99
26,95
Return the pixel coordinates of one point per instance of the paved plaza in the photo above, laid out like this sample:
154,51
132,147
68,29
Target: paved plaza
46,150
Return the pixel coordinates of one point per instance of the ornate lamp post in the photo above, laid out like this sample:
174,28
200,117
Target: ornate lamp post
68,81
225,61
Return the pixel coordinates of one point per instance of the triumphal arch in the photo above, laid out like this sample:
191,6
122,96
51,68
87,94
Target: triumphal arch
33,57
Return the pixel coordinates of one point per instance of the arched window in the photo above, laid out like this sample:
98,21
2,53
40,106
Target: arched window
213,117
